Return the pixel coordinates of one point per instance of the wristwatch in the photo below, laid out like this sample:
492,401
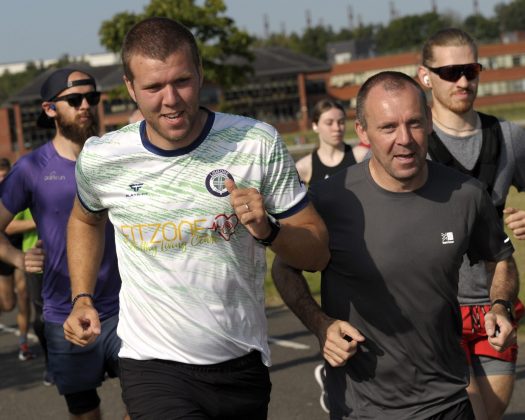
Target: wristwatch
275,227
508,305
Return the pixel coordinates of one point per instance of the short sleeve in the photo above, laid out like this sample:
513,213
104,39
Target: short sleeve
489,241
87,179
282,189
16,189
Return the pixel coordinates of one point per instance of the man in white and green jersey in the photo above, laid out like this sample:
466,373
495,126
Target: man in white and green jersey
195,196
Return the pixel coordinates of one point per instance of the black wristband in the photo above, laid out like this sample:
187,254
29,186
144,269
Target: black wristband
80,295
275,227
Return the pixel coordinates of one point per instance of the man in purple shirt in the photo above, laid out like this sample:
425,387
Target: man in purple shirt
44,182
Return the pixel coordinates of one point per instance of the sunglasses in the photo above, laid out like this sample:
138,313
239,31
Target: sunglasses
75,99
455,72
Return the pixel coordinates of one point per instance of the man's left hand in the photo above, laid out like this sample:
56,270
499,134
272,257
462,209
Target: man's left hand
501,334
249,207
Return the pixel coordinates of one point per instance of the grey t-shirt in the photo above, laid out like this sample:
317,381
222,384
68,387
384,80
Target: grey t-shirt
474,280
394,275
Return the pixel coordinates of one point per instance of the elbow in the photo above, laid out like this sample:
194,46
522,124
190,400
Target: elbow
318,262
322,261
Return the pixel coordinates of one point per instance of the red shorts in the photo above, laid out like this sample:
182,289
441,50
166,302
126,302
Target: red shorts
475,340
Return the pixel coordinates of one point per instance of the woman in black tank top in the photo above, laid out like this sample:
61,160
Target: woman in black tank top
332,155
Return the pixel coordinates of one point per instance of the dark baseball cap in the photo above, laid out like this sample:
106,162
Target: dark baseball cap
56,83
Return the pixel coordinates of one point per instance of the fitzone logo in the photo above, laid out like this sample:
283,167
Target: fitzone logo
216,182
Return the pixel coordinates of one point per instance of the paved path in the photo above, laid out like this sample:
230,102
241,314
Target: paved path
295,393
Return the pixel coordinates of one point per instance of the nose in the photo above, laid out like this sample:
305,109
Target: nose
462,81
84,104
404,135
170,95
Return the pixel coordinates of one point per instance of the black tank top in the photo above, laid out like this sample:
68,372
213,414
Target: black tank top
320,171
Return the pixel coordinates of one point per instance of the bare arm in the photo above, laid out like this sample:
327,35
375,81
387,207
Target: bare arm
85,248
302,241
505,286
20,226
304,168
331,333
8,253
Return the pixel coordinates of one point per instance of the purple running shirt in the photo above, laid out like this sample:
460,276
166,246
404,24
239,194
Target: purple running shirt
44,182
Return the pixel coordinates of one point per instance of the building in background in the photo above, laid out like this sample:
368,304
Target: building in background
501,81
281,91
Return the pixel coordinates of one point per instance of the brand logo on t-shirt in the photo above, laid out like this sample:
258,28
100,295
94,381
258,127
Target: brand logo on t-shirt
54,177
225,225
135,187
447,238
215,182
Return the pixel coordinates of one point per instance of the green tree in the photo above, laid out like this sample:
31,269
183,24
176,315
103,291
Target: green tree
511,17
410,32
12,83
481,28
314,40
225,49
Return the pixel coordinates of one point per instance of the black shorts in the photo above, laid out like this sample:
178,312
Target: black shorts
460,411
160,389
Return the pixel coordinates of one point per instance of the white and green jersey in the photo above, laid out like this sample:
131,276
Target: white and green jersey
192,275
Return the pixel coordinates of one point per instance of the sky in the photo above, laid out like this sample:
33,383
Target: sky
42,29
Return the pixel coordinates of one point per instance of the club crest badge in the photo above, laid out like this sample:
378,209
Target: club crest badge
215,182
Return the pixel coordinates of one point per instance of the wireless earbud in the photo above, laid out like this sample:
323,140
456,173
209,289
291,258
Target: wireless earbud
53,107
426,80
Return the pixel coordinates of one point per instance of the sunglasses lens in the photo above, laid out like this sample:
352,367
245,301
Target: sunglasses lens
454,73
93,98
450,74
471,71
74,100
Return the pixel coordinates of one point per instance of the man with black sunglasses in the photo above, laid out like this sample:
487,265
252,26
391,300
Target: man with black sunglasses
44,182
493,151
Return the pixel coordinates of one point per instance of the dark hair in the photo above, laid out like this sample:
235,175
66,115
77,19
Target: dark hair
448,37
325,105
390,80
157,38
5,163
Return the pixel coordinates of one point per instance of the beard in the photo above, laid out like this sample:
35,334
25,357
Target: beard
76,132
459,106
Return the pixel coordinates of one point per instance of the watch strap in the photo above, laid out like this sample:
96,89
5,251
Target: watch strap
275,227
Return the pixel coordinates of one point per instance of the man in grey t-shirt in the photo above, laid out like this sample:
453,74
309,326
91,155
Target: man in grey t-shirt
399,226
494,152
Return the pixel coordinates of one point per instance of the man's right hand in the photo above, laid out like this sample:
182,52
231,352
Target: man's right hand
341,343
34,258
515,221
82,326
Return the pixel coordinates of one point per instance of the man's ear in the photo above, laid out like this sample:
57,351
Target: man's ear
315,128
49,108
361,132
129,87
424,77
